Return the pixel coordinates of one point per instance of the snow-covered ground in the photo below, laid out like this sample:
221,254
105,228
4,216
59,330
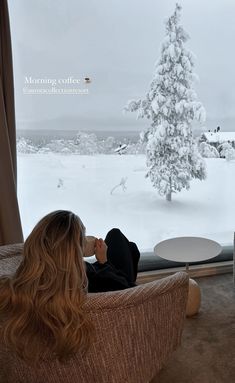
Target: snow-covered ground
83,184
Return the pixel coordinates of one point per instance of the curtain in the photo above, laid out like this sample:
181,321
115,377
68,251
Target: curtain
10,224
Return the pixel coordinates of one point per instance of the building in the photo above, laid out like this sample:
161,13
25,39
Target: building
217,138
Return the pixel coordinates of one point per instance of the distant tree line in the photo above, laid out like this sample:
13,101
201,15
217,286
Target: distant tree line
84,143
89,144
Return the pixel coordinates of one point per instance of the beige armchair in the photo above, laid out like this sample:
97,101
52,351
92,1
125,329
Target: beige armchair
136,331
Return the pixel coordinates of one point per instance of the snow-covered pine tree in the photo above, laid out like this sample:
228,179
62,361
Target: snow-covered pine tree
171,104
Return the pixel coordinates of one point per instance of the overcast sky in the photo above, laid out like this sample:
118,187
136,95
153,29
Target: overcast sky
116,43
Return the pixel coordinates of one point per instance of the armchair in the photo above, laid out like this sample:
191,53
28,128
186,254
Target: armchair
136,330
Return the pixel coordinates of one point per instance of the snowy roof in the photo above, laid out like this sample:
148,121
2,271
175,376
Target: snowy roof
219,136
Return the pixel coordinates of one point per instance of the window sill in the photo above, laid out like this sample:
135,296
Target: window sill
195,271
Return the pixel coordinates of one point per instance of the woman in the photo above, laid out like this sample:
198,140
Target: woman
42,303
117,263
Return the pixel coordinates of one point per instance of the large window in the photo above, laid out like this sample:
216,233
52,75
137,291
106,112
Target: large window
76,64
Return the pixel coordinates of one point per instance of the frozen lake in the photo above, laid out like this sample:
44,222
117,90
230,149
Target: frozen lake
83,184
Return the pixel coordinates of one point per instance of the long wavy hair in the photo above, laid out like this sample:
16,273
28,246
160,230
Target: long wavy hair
42,303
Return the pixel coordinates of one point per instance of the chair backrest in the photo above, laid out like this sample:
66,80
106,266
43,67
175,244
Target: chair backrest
135,332
10,258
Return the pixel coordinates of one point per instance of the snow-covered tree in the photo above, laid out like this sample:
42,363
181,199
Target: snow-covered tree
136,148
227,151
106,145
208,151
25,146
87,143
230,155
172,105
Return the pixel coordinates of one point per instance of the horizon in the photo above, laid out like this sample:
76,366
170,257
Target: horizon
58,124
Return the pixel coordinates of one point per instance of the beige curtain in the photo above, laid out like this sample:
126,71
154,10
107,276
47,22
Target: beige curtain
10,225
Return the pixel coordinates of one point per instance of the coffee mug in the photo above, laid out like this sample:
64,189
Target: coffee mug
89,246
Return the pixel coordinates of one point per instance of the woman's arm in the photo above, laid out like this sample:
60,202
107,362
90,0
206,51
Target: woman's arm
102,275
105,277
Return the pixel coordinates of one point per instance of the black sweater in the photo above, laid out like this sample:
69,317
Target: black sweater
105,277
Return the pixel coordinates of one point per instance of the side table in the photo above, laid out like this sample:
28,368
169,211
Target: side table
186,250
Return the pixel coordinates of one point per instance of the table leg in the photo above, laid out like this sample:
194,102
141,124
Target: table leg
194,298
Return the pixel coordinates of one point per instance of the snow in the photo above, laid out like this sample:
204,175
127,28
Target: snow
85,184
219,137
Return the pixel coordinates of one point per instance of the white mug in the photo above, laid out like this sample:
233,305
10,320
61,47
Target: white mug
89,246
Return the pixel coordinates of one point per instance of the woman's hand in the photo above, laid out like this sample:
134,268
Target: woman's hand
100,250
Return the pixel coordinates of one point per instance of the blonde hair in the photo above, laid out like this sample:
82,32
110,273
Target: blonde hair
42,304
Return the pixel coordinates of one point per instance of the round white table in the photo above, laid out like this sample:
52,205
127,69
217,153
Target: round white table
187,250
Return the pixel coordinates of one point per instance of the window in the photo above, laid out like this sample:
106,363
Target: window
76,64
